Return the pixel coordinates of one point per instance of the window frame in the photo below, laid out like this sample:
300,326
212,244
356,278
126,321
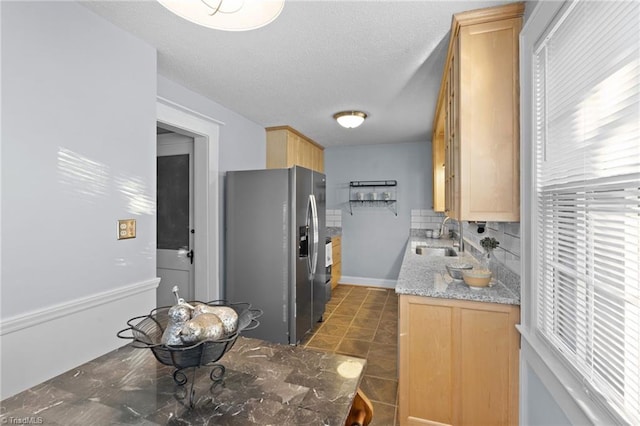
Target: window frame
563,385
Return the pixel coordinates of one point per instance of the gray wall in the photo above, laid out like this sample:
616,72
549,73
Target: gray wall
76,94
373,239
543,409
78,153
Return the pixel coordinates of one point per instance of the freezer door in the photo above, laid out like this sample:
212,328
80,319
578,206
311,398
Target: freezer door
258,247
301,321
321,291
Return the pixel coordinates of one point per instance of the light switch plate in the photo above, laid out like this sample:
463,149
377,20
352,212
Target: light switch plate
126,229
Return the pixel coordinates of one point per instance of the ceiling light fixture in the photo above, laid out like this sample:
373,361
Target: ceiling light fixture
350,119
227,15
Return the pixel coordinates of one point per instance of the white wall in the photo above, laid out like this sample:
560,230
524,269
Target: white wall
78,142
374,239
242,142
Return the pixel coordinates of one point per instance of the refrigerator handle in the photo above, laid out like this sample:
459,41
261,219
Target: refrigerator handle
308,223
316,236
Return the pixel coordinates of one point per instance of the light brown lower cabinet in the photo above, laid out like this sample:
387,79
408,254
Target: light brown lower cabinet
458,362
336,268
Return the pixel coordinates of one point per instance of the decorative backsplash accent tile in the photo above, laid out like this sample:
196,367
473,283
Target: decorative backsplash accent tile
505,262
507,233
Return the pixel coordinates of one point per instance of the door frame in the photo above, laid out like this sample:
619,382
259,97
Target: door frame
171,144
205,131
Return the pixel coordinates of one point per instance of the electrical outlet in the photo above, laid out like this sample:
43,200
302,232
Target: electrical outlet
126,229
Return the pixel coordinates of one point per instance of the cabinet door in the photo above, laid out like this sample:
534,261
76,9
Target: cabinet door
336,268
277,149
318,159
287,148
480,97
488,373
489,129
303,153
321,160
294,156
448,152
452,136
458,362
438,156
426,362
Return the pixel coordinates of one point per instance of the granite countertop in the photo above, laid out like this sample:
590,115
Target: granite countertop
422,275
333,231
264,383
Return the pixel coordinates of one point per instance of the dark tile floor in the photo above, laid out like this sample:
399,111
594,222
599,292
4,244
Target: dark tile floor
363,322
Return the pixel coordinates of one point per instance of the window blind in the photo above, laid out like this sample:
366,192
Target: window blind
587,187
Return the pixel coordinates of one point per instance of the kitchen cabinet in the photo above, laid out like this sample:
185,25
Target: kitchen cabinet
438,153
458,362
286,147
336,268
476,124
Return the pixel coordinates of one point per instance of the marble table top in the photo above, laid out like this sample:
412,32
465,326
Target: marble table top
264,384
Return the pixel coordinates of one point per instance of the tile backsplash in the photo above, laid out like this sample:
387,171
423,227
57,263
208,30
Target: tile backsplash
507,234
423,219
334,218
505,260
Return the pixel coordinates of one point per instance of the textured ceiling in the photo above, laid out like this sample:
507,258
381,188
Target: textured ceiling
319,57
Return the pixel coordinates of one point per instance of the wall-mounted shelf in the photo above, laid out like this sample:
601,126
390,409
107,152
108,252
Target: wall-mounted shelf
373,193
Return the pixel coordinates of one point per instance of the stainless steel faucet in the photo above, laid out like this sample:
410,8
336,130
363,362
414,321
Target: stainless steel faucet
446,218
457,244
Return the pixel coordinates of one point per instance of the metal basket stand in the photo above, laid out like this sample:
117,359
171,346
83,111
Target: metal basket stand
147,330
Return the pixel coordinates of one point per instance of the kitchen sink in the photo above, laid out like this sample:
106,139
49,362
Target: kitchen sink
436,251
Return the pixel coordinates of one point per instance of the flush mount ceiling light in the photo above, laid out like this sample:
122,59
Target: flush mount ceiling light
350,119
227,15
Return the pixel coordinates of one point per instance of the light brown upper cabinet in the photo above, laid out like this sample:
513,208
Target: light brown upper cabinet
286,147
438,165
476,143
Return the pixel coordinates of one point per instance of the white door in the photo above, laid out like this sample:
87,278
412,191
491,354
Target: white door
175,233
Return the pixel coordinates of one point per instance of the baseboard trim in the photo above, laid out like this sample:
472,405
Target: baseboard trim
368,282
31,319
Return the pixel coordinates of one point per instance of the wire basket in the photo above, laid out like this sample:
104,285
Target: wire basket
146,333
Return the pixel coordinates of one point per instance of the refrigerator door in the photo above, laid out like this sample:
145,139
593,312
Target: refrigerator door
301,321
258,247
321,291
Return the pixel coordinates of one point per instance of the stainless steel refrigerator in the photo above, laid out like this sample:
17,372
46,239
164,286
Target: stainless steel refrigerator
274,249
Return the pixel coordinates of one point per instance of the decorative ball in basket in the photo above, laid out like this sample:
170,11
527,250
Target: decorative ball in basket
192,334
